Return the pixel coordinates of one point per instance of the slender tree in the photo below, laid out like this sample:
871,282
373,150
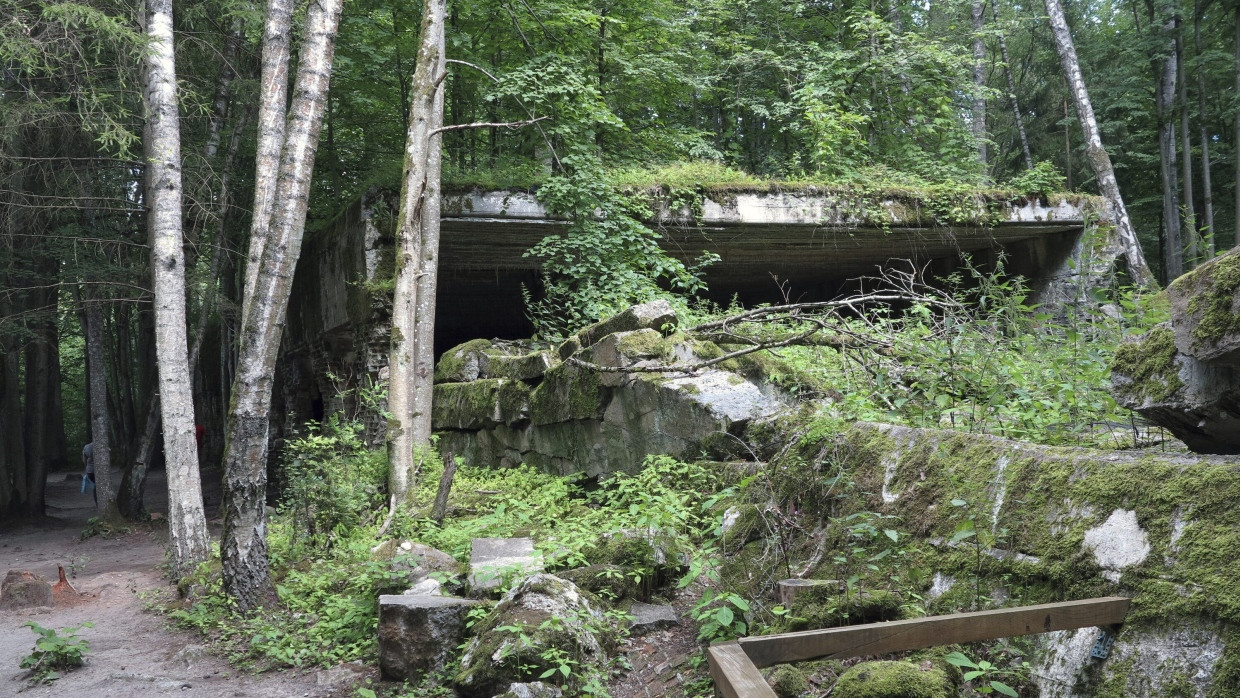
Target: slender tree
978,12
1186,149
1173,248
1094,152
417,239
1207,186
1011,85
244,545
187,523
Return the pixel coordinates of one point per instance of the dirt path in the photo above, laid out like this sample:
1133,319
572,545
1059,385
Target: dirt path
134,653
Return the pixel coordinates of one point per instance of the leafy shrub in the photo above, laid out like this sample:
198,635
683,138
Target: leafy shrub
54,652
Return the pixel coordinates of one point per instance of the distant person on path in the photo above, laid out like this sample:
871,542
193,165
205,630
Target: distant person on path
88,469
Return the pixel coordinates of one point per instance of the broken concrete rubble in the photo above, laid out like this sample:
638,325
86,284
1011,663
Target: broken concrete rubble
581,414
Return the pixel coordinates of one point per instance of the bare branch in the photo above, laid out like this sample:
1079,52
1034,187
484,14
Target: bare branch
506,124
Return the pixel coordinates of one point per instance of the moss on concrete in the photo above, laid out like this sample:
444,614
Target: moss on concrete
894,680
567,393
453,362
1213,288
1150,367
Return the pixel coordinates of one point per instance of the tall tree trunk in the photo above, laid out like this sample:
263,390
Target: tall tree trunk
1165,97
1186,149
38,414
978,10
1011,83
1097,155
244,544
13,486
273,87
188,544
97,389
417,240
1207,187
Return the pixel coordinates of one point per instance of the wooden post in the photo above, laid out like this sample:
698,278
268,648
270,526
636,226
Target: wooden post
734,674
440,509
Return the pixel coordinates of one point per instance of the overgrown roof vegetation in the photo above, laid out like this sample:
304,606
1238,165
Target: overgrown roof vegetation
707,177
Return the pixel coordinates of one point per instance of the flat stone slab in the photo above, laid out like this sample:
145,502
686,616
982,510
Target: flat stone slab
493,559
649,617
419,634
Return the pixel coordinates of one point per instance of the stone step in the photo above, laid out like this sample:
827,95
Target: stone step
419,634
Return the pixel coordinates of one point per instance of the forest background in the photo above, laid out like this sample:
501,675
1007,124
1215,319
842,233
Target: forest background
956,95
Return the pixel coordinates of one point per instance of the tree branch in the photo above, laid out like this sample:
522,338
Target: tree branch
506,124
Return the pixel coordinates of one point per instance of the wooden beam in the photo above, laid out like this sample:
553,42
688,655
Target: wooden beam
897,636
734,674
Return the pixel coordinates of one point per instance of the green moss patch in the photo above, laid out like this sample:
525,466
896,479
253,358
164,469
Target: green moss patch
1149,366
894,680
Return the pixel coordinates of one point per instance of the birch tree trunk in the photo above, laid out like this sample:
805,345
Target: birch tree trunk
978,10
187,525
273,88
244,544
1186,150
1207,188
1011,85
1094,152
1173,250
417,240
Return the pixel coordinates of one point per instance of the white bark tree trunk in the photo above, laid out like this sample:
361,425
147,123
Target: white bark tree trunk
1097,155
1173,249
187,524
273,88
411,361
244,544
1011,84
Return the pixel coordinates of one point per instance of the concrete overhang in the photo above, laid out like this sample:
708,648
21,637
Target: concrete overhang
803,237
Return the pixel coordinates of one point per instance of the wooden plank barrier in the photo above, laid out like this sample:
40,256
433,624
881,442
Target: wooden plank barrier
734,665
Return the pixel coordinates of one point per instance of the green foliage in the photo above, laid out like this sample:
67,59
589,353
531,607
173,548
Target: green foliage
331,483
54,651
607,260
979,358
990,678
1042,179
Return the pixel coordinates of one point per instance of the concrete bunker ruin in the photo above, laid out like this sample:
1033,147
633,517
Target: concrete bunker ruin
812,241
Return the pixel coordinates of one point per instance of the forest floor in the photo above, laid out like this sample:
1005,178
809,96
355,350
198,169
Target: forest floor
133,651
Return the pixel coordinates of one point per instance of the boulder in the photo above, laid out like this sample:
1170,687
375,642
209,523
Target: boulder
648,618
494,559
417,560
419,634
1185,374
533,689
894,680
22,589
542,613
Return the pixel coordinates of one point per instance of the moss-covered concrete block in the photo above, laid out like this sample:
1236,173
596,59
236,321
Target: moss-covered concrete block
480,404
568,392
656,315
464,362
1205,310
